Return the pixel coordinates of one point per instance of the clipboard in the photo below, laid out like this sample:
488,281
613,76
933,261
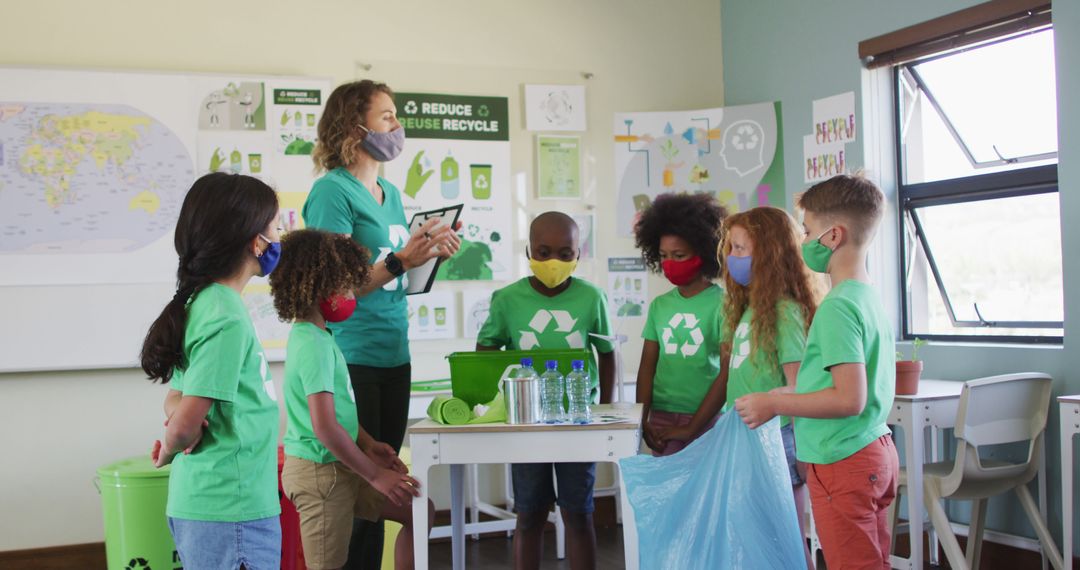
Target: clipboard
422,277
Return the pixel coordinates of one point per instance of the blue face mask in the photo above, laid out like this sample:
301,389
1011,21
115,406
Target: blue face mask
383,147
739,269
269,258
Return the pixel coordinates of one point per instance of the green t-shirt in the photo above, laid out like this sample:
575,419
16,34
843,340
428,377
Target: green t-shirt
850,326
688,332
757,372
232,475
377,333
522,319
314,364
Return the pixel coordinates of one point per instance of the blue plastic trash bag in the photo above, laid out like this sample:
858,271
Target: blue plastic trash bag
723,502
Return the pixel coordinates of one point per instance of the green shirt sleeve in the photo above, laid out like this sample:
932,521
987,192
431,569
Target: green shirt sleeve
790,333
215,360
494,332
649,332
841,318
602,325
327,208
315,368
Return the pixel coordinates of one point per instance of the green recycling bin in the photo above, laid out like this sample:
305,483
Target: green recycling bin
133,498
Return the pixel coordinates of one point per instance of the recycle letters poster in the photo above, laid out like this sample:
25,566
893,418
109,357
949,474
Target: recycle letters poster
457,151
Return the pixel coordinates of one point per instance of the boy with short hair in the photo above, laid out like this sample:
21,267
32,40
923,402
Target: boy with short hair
550,310
846,383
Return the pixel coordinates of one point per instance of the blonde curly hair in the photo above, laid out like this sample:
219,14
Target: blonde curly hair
338,139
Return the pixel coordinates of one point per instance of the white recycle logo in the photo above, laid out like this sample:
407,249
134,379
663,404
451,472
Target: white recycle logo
742,350
398,236
690,347
481,181
410,107
564,323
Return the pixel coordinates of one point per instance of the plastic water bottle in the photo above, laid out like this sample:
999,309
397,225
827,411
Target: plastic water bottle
551,394
578,391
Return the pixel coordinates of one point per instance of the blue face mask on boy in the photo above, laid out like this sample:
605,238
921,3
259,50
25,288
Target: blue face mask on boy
269,258
739,269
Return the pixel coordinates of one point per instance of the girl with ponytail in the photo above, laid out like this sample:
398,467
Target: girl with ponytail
221,414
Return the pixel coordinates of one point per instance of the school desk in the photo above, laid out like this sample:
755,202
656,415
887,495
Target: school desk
1070,427
436,444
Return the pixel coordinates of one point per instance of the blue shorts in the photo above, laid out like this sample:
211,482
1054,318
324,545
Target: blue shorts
787,433
534,486
226,545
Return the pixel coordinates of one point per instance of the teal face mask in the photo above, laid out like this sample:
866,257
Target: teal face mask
816,254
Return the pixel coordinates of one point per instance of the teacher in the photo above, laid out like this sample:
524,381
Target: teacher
358,131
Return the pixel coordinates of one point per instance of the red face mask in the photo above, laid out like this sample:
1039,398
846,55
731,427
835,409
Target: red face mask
337,308
681,272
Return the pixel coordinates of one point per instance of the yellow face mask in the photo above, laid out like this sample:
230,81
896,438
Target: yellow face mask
552,272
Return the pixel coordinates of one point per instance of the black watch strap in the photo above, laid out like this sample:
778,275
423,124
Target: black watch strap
394,265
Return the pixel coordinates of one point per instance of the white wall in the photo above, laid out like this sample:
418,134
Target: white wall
57,428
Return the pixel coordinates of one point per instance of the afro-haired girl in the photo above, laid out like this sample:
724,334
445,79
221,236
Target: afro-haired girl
315,283
681,357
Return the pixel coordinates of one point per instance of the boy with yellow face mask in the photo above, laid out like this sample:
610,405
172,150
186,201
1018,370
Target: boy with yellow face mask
551,309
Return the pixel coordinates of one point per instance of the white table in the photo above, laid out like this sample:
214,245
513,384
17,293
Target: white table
436,444
1070,427
933,407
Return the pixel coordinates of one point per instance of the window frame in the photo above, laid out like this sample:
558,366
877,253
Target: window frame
979,187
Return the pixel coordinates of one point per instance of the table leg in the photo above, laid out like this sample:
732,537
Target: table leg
935,456
629,526
1067,432
1042,494
457,515
424,455
914,455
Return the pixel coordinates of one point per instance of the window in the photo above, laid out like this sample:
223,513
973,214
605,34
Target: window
976,135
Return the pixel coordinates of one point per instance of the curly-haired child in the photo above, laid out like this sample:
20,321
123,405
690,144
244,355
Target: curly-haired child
681,357
333,468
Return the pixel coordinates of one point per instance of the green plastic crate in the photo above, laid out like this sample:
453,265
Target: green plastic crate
474,376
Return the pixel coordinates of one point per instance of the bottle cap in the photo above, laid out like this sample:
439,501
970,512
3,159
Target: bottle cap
578,364
552,364
527,361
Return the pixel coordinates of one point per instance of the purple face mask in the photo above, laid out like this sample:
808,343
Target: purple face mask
383,147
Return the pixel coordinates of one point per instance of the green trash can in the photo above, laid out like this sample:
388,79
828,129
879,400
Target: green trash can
133,498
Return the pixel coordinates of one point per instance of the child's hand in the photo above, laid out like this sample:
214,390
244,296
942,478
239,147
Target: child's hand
384,456
681,433
159,456
651,436
755,409
398,488
198,438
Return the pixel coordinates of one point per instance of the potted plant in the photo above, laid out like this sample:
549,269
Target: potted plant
909,371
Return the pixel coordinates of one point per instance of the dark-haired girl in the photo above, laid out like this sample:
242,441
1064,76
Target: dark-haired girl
221,413
680,359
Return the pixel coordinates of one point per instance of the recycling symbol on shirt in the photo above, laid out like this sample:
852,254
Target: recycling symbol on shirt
688,322
540,323
741,351
410,107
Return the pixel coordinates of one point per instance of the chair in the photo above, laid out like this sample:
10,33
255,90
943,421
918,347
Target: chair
996,410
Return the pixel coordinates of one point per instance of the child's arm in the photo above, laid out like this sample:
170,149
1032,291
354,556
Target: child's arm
606,362
183,426
847,397
646,375
710,406
381,453
398,487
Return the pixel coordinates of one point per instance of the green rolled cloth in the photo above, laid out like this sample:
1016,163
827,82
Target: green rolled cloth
491,412
449,410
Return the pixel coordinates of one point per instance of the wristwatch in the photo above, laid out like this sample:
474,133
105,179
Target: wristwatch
394,265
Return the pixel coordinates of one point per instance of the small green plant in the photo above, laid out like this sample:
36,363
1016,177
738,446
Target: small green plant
915,345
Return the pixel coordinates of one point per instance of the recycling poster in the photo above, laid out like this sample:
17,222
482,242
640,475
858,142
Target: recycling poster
628,286
457,151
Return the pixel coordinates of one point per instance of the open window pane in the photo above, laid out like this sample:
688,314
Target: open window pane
963,113
1003,255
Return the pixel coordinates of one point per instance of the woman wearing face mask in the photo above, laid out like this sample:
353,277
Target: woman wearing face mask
358,131
681,356
223,504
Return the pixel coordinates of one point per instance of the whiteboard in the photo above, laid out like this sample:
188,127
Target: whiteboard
87,211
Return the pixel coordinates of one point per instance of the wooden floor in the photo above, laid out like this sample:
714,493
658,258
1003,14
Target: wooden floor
497,552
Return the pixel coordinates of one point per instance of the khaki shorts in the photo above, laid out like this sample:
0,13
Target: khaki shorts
328,496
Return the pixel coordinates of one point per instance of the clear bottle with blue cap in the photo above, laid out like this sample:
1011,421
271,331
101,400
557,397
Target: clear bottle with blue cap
578,393
552,391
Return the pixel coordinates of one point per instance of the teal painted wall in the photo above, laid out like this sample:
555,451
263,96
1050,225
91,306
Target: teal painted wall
796,51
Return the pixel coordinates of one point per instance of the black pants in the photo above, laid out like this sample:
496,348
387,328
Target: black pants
382,405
